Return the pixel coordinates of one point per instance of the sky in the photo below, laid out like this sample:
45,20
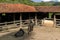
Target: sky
45,0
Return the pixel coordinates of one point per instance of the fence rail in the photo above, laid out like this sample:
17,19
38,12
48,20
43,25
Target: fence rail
13,24
57,22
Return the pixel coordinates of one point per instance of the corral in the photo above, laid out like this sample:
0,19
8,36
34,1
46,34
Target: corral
20,14
45,18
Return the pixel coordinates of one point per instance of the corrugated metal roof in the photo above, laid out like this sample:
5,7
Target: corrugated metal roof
48,8
8,8
16,8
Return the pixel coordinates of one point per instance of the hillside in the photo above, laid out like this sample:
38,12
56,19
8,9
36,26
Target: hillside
31,3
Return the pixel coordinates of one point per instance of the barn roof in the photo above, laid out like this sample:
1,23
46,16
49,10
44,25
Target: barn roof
48,8
8,8
16,8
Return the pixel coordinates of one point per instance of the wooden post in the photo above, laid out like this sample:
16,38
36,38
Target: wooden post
5,24
20,20
0,18
36,19
29,16
54,21
43,21
14,18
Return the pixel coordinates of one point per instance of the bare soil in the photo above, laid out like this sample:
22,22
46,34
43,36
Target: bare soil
39,33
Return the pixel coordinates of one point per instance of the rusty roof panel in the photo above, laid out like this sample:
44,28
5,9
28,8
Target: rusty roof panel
16,8
7,8
48,8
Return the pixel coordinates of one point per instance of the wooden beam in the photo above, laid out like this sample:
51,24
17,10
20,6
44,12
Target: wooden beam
29,16
20,20
5,24
0,18
14,18
35,18
57,13
54,20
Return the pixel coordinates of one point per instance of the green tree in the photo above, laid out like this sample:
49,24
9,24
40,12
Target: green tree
30,2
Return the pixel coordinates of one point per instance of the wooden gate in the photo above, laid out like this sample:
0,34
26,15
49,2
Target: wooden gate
57,19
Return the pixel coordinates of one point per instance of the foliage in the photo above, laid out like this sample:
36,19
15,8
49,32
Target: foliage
56,4
30,2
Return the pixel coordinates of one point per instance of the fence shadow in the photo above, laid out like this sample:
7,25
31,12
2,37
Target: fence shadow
11,36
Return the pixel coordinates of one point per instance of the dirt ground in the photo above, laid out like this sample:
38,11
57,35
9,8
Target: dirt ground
39,33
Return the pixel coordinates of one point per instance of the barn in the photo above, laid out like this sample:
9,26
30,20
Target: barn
19,14
14,13
53,14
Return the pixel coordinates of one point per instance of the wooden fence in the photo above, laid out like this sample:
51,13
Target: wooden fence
13,24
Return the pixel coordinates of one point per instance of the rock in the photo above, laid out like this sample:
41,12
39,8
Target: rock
20,33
